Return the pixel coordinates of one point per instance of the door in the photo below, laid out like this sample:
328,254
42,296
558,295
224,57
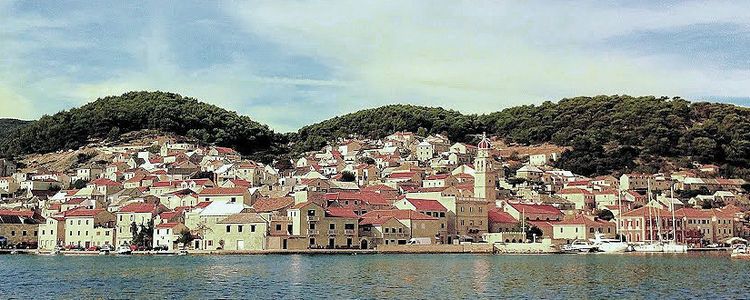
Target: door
283,244
240,245
331,243
88,244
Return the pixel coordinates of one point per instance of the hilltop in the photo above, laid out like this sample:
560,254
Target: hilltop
109,117
8,126
608,134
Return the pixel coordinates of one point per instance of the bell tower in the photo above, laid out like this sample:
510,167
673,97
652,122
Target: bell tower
484,179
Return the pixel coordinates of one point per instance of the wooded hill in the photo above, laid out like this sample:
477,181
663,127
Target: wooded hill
609,134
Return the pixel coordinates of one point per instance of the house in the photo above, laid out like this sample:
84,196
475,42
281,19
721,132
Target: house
238,232
135,214
334,227
583,199
385,230
209,216
650,224
440,180
51,233
89,227
533,212
580,227
501,221
418,225
167,234
232,195
530,173
712,225
19,226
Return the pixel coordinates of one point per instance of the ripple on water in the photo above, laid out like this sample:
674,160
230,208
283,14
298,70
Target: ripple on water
375,276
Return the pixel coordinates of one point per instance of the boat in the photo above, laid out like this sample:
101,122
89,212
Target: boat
608,245
124,250
740,251
649,247
182,253
673,247
579,246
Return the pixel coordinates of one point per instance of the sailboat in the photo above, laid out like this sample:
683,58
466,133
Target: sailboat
672,246
651,245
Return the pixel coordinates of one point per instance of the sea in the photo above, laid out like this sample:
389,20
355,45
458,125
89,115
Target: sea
376,276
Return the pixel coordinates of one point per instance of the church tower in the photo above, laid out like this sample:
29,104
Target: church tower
484,179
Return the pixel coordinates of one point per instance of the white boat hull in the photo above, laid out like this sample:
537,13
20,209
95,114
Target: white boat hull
675,248
612,247
655,247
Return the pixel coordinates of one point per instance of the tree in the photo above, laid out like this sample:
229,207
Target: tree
204,174
185,238
532,232
606,215
366,160
79,184
114,134
347,176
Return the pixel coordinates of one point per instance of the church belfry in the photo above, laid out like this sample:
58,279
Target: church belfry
484,178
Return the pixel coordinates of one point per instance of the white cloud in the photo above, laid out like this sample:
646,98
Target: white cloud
478,56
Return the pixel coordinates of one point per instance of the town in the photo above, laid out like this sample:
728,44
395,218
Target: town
401,193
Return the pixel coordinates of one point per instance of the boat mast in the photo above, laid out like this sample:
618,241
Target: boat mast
671,202
650,218
619,213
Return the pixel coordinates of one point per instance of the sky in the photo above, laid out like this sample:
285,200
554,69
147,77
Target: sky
292,63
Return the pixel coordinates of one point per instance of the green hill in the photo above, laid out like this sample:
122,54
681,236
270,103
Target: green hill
111,116
609,133
8,126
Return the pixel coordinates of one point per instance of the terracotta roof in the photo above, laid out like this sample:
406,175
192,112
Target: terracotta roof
22,213
168,225
438,176
499,216
83,212
167,215
375,221
427,205
272,204
366,197
138,207
401,214
242,218
378,187
574,191
644,212
341,212
224,191
105,182
582,220
402,175
536,209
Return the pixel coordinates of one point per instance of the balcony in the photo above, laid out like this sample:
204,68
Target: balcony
313,232
349,231
313,218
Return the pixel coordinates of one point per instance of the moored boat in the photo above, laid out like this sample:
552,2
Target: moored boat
608,245
579,246
740,251
124,250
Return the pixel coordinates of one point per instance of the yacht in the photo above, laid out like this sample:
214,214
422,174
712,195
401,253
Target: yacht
649,247
608,245
740,251
673,247
579,246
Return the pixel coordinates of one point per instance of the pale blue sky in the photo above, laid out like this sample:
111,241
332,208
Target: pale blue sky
289,64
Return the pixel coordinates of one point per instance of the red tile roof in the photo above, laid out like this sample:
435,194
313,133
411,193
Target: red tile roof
341,212
365,197
539,209
224,191
401,214
167,225
138,207
499,216
22,213
438,176
105,182
378,187
427,205
83,212
272,204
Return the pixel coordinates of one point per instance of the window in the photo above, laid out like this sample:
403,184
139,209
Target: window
42,232
239,228
311,213
442,215
278,227
591,230
252,228
332,226
106,233
24,233
349,226
386,231
79,233
401,230
312,241
228,228
79,222
13,233
234,199
312,226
